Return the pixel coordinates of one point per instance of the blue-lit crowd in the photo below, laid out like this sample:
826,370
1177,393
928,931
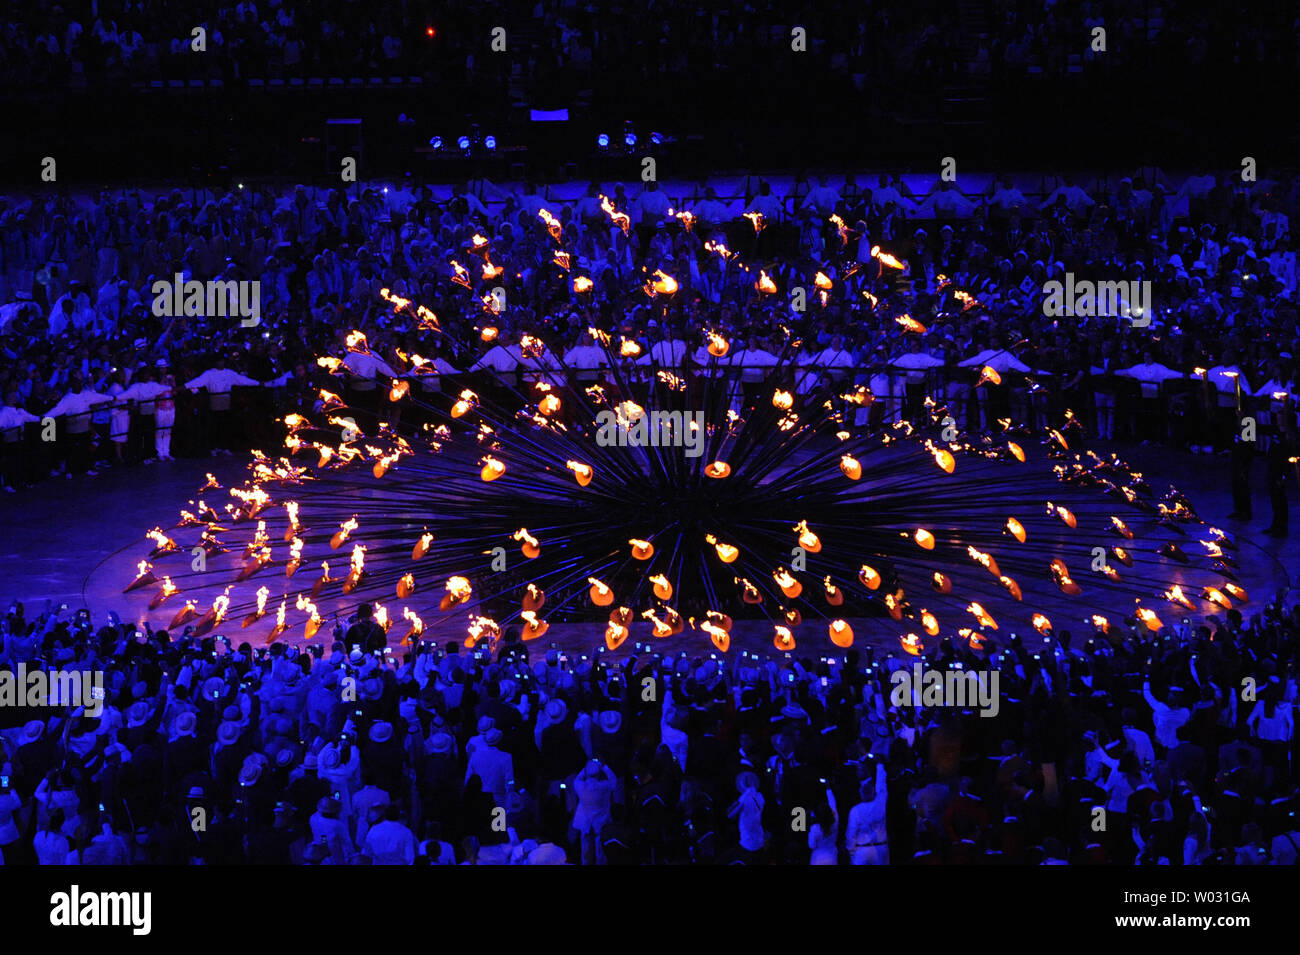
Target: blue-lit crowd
83,344
1103,749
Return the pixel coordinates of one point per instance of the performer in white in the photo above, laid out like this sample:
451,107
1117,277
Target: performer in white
217,382
143,392
13,420
165,416
586,357
76,406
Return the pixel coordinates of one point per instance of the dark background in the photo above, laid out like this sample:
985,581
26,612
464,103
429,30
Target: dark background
1210,91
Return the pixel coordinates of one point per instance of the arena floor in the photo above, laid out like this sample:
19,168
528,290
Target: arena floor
77,541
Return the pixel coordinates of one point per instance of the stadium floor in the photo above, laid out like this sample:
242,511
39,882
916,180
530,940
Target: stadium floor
77,541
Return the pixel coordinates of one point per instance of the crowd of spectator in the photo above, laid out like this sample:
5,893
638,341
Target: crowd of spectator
573,45
1114,748
82,343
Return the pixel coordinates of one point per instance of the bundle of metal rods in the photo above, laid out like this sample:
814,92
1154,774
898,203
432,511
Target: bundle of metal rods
780,509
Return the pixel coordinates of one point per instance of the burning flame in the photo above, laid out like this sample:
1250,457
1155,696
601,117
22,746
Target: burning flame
619,219
581,472
428,320
886,259
341,535
982,615
783,639
727,553
661,628
397,301
600,593
552,224
422,546
163,542
417,625
1061,574
662,284
480,627
987,560
1216,596
789,586
467,401
1063,513
615,634
942,457
530,546
1149,618
930,622
840,228
807,539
